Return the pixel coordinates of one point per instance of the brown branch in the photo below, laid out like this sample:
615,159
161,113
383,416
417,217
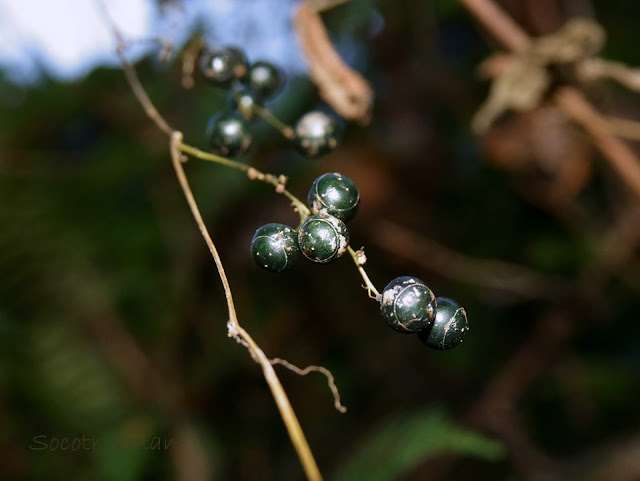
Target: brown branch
622,159
132,77
572,102
344,89
491,273
498,24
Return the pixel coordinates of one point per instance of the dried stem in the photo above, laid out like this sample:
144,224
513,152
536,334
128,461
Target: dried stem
322,370
490,273
339,85
569,99
625,128
286,131
236,331
359,260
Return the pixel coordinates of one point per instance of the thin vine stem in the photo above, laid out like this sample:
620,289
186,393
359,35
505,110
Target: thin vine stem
265,114
236,331
234,328
359,259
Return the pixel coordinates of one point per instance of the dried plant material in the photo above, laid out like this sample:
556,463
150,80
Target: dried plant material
546,150
189,58
597,68
339,85
523,79
322,370
625,128
520,87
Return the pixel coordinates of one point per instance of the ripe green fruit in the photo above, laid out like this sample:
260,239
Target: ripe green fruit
323,238
449,326
316,134
336,195
408,305
228,135
220,66
264,79
274,247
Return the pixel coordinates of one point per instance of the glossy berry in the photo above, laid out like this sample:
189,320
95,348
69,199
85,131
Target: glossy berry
323,238
243,102
449,326
336,195
264,79
222,65
316,134
274,247
228,135
408,305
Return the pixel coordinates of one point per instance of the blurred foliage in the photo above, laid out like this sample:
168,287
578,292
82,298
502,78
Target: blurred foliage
402,443
103,272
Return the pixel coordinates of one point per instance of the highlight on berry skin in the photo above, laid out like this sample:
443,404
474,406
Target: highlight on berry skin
220,66
336,195
264,79
449,327
408,305
316,134
274,247
228,134
323,238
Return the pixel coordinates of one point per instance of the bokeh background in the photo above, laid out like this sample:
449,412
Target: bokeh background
112,316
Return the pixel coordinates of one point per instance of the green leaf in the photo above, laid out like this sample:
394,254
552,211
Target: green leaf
406,441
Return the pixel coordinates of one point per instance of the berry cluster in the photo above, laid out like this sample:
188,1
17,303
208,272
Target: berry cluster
322,237
251,85
406,304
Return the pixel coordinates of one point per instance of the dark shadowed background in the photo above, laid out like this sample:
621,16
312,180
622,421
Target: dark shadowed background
113,319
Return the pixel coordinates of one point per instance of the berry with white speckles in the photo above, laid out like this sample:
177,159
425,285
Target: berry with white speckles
274,247
336,195
408,305
323,238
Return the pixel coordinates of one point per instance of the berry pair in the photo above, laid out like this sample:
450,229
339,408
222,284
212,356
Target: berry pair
322,237
315,133
409,306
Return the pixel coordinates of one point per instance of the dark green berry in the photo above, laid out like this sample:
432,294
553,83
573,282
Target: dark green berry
323,238
408,305
316,134
336,195
222,65
449,326
243,102
228,134
274,247
264,79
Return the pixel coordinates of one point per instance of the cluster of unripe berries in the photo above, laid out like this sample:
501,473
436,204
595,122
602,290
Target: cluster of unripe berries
322,237
406,304
251,85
